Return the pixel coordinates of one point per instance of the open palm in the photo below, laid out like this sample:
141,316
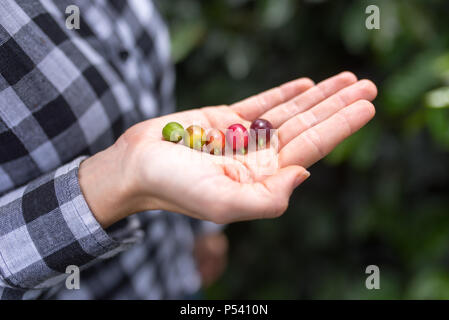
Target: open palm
311,120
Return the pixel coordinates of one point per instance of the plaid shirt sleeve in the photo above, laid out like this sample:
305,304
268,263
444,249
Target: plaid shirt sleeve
64,95
47,226
61,99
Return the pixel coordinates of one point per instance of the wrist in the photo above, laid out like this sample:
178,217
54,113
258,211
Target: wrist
107,186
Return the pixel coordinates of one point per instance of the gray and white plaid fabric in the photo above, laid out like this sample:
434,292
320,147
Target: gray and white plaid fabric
64,95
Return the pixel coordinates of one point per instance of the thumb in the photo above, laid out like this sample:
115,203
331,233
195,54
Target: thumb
286,180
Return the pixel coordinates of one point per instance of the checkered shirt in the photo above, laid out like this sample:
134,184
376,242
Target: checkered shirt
64,95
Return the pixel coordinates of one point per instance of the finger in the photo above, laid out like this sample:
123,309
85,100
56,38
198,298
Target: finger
221,118
361,90
266,199
251,108
315,143
278,115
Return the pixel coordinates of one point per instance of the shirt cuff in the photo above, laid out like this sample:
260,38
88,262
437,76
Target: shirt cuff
95,240
62,232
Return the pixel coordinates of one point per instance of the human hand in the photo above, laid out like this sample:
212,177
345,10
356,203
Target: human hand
147,173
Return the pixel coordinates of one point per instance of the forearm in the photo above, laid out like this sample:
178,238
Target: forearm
47,226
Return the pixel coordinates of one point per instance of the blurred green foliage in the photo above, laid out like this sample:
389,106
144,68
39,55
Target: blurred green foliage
382,197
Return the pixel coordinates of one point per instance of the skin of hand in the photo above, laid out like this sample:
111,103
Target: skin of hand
210,254
142,172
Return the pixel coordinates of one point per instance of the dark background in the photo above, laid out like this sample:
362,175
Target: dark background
382,197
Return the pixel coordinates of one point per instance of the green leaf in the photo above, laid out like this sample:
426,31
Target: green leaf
277,13
359,149
353,32
185,38
429,284
404,89
438,98
438,124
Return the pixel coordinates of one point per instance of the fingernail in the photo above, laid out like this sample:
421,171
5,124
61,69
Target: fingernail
301,178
